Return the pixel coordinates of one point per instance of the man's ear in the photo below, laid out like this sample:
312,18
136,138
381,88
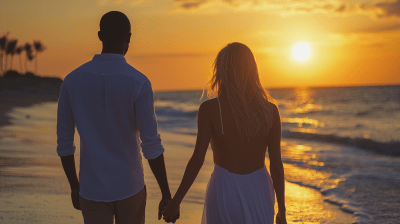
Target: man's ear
100,35
129,37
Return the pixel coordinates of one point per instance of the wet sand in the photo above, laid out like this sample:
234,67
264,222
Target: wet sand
24,100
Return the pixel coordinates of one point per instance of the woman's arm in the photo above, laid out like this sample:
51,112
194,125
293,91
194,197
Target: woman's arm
196,161
276,165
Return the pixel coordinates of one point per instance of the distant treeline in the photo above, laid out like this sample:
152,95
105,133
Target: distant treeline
12,82
9,47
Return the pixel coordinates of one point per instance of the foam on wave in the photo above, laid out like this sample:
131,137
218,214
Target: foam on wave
387,148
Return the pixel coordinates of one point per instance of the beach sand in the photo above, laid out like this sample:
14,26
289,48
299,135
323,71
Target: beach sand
34,189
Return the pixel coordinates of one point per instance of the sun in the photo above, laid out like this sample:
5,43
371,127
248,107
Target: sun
301,52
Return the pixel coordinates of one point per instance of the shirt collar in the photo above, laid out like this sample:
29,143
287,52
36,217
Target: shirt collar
108,56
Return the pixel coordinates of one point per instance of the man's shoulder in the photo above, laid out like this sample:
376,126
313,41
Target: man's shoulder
76,71
126,73
134,73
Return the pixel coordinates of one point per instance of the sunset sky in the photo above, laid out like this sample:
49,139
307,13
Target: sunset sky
174,42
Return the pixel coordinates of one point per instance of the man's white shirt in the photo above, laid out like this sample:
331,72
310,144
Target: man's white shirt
110,103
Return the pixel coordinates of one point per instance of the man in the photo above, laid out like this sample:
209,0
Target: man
110,102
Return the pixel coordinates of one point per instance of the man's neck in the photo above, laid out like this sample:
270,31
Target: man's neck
113,48
113,51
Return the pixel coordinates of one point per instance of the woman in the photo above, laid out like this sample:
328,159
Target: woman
240,123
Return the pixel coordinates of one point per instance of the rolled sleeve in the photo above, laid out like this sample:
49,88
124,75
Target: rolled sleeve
147,123
65,124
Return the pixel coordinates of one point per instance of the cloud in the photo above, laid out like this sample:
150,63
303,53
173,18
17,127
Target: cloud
383,9
342,8
389,9
378,9
190,4
283,6
195,4
379,29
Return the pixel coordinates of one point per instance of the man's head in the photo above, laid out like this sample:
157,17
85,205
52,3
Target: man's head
115,32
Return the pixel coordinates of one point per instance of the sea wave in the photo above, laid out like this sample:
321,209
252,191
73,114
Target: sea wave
387,148
171,112
316,112
391,148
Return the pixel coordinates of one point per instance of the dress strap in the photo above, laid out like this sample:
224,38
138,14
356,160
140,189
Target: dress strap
220,115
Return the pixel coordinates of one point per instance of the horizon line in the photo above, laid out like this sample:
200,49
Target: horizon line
288,87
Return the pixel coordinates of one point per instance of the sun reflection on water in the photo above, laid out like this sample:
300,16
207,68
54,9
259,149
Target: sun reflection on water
302,103
302,166
303,130
301,121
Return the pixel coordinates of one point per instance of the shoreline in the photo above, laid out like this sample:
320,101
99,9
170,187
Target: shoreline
22,100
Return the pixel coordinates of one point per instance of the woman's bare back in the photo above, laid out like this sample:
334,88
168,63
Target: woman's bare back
229,152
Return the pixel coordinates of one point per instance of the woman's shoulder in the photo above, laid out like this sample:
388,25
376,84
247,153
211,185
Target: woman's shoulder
274,106
275,111
208,104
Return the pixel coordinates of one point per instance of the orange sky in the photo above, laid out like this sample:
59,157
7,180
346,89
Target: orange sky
174,42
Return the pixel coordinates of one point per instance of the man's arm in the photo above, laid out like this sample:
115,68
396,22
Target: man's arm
151,142
65,142
68,163
157,166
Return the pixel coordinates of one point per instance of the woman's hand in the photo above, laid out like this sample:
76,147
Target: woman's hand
281,218
171,211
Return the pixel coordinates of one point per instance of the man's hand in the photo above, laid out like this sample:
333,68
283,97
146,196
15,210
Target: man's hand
68,163
157,166
162,205
75,199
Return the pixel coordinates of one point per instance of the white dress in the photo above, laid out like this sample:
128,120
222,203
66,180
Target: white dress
239,199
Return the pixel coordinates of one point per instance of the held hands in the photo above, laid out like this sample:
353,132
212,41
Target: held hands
171,211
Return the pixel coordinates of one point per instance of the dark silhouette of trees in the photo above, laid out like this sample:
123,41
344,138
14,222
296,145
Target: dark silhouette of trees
11,45
3,44
8,47
39,47
19,51
29,55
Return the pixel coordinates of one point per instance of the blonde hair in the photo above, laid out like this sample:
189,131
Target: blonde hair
236,75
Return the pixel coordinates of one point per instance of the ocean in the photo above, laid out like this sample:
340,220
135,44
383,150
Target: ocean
342,142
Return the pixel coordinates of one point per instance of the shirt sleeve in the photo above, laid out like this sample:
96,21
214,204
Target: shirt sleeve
65,124
147,123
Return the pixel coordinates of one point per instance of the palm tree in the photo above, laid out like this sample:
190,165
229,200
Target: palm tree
29,55
19,51
11,50
3,43
39,47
